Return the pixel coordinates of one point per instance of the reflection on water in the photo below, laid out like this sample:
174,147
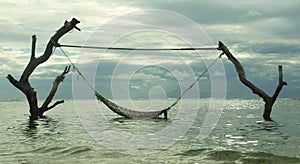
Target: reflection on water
31,129
140,127
42,126
238,137
269,125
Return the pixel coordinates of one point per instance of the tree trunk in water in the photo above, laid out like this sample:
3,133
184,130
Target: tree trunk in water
269,100
268,110
24,85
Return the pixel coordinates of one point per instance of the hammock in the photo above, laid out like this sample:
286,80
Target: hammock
128,113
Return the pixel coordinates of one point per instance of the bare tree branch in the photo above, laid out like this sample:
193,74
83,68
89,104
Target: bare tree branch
68,26
56,83
54,105
269,101
241,73
33,47
24,85
280,85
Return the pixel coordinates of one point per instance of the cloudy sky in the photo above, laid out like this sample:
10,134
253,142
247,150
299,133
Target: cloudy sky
261,34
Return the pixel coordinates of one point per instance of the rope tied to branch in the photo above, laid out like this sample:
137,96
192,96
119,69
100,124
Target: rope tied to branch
56,44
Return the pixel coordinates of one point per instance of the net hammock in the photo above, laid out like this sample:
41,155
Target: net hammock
129,113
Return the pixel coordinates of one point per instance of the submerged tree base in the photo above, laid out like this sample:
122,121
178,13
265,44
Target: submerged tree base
24,85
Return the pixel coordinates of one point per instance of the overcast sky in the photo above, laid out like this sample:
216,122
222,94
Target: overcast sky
261,34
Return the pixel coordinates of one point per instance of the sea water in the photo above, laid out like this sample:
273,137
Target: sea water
240,135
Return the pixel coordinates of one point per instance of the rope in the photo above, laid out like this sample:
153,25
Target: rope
77,70
145,49
137,49
199,77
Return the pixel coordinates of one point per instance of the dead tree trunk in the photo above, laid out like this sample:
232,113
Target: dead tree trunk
24,85
269,100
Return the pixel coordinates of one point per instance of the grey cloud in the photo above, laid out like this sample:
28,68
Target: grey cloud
282,48
266,29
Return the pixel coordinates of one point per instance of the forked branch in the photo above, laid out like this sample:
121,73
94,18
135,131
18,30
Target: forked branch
56,83
269,101
24,85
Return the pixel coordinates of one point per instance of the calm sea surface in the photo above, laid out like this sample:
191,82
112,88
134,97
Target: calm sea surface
240,136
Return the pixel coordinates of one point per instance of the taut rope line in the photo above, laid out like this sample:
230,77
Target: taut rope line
136,49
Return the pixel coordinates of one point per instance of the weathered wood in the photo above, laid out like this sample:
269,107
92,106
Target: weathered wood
269,100
24,85
56,83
